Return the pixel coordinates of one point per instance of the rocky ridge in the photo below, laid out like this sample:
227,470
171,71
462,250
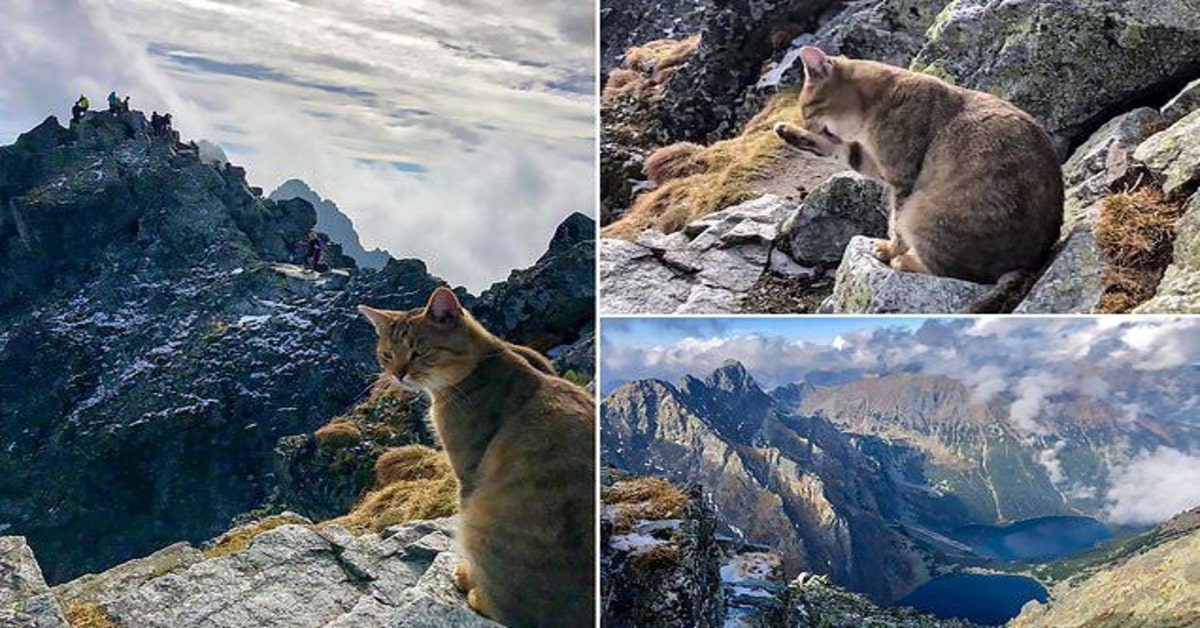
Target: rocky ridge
1108,79
165,349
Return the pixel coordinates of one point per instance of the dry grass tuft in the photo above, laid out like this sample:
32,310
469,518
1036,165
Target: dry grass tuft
710,179
643,498
239,539
88,615
663,556
338,434
1135,232
647,68
412,482
674,161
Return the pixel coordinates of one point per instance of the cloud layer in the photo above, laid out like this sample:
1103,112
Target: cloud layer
459,132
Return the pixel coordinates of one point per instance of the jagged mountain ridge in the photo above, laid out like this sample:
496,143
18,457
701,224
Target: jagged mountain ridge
794,483
1000,472
331,220
157,344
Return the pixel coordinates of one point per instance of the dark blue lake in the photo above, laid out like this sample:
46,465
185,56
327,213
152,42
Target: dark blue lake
989,599
1034,540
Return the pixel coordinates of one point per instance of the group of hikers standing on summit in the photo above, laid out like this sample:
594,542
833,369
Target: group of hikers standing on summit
159,124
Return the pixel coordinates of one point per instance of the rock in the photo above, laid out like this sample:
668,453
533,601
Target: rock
701,102
1174,155
296,576
25,600
1069,64
1185,102
1071,283
1105,157
708,273
841,207
625,23
864,285
331,220
1179,290
552,302
620,169
128,575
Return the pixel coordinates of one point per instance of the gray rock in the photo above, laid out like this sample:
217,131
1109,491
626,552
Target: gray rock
1179,290
296,576
1105,156
1068,63
841,207
25,600
708,273
1185,102
1071,284
1174,155
864,285
128,575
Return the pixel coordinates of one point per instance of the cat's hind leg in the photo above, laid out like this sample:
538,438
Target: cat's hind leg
910,262
479,602
462,577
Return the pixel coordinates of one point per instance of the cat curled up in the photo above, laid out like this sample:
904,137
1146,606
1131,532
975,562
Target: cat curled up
520,441
976,187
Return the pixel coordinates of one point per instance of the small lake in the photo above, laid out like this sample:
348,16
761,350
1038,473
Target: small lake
988,599
1034,540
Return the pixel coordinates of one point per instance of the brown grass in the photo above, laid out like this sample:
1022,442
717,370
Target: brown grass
723,176
412,482
643,498
88,615
240,538
1135,232
338,434
647,68
674,161
663,556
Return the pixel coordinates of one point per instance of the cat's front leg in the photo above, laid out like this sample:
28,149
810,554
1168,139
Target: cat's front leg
804,140
894,246
462,577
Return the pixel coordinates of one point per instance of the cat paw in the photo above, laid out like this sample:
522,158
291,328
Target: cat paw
884,251
478,603
799,138
462,577
909,263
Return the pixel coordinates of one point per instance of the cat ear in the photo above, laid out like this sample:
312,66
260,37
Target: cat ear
379,318
817,65
443,306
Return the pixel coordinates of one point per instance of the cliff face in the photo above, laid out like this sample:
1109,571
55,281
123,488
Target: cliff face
331,220
158,344
796,484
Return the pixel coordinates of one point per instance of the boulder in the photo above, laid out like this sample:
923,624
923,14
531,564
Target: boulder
1105,158
1068,63
843,206
295,575
1179,290
25,600
1185,102
864,285
706,268
1071,283
1174,155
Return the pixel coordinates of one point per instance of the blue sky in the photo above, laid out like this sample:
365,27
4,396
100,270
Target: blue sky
460,132
648,332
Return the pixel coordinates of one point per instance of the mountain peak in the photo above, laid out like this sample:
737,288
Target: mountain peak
731,376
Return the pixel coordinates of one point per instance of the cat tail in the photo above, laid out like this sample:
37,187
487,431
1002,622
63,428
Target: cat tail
1006,295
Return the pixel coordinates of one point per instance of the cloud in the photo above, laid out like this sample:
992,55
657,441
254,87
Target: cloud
1032,392
1154,487
466,155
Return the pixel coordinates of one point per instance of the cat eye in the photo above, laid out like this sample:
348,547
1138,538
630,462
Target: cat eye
387,356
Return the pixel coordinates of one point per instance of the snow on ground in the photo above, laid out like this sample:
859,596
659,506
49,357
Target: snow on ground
751,566
634,543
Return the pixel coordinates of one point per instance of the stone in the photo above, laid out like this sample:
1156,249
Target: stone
1105,157
1185,102
1071,283
864,285
1069,64
1174,155
843,206
25,600
129,575
706,268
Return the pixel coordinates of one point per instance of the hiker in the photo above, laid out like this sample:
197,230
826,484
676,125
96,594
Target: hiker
125,105
166,124
114,103
157,124
313,259
79,108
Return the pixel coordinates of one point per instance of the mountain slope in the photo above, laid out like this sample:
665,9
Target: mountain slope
796,484
157,345
975,452
331,220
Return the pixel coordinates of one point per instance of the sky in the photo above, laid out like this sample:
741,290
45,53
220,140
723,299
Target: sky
460,132
1140,366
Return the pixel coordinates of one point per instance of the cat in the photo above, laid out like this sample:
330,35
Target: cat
521,443
976,187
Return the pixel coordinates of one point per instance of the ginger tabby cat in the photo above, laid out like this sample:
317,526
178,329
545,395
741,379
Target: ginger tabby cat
521,442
